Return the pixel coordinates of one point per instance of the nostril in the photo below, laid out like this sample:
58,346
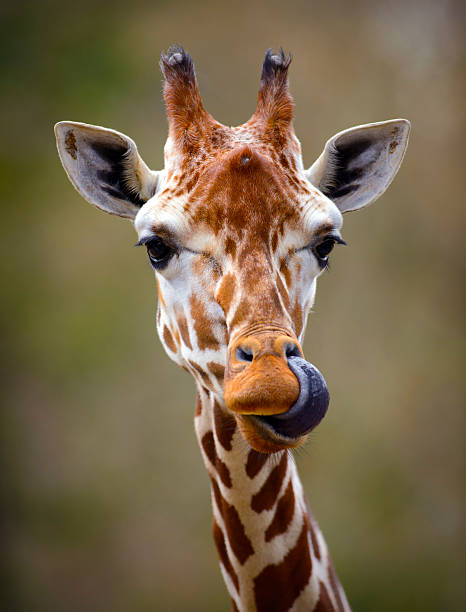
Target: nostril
292,350
244,354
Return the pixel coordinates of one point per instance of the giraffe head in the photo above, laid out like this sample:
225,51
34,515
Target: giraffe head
238,232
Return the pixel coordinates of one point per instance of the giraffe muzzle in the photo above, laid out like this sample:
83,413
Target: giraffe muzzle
258,379
275,393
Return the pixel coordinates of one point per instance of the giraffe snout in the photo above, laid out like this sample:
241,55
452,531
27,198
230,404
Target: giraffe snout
258,379
278,397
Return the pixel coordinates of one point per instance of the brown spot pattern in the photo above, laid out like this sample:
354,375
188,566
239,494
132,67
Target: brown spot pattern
297,317
255,462
265,498
208,444
241,313
315,544
335,585
200,372
198,406
230,247
286,273
217,369
223,554
184,331
168,339
325,603
283,514
202,325
278,585
283,292
239,541
225,426
190,184
160,294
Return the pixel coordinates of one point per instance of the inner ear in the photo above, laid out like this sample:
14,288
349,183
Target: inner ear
117,176
348,162
105,167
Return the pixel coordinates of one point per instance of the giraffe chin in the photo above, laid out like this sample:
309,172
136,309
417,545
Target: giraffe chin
261,438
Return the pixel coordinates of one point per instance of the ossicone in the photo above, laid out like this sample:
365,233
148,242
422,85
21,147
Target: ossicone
274,103
178,65
275,68
187,118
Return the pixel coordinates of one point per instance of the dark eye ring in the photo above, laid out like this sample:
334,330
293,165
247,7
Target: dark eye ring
159,253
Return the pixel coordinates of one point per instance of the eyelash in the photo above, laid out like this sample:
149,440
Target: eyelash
328,243
158,251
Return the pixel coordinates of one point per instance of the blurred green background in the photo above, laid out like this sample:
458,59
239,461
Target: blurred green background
105,499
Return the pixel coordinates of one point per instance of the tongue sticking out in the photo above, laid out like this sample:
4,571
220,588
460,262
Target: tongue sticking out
310,407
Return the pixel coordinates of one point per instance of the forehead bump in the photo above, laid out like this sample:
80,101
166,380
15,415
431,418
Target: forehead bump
243,159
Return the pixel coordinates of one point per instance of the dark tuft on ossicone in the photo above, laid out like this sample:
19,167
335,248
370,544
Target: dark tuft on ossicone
275,65
177,64
274,102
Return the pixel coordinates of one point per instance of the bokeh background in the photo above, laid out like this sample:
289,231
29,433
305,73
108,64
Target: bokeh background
105,500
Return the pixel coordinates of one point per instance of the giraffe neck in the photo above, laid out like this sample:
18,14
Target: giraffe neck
272,554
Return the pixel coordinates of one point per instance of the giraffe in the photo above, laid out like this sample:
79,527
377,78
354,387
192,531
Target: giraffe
238,231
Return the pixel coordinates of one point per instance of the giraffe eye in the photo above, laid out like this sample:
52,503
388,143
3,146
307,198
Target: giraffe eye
323,250
159,253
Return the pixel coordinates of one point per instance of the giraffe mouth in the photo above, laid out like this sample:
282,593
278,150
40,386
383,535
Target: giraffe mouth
271,433
310,407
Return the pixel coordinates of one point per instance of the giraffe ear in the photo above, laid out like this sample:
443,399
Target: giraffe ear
105,167
357,165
